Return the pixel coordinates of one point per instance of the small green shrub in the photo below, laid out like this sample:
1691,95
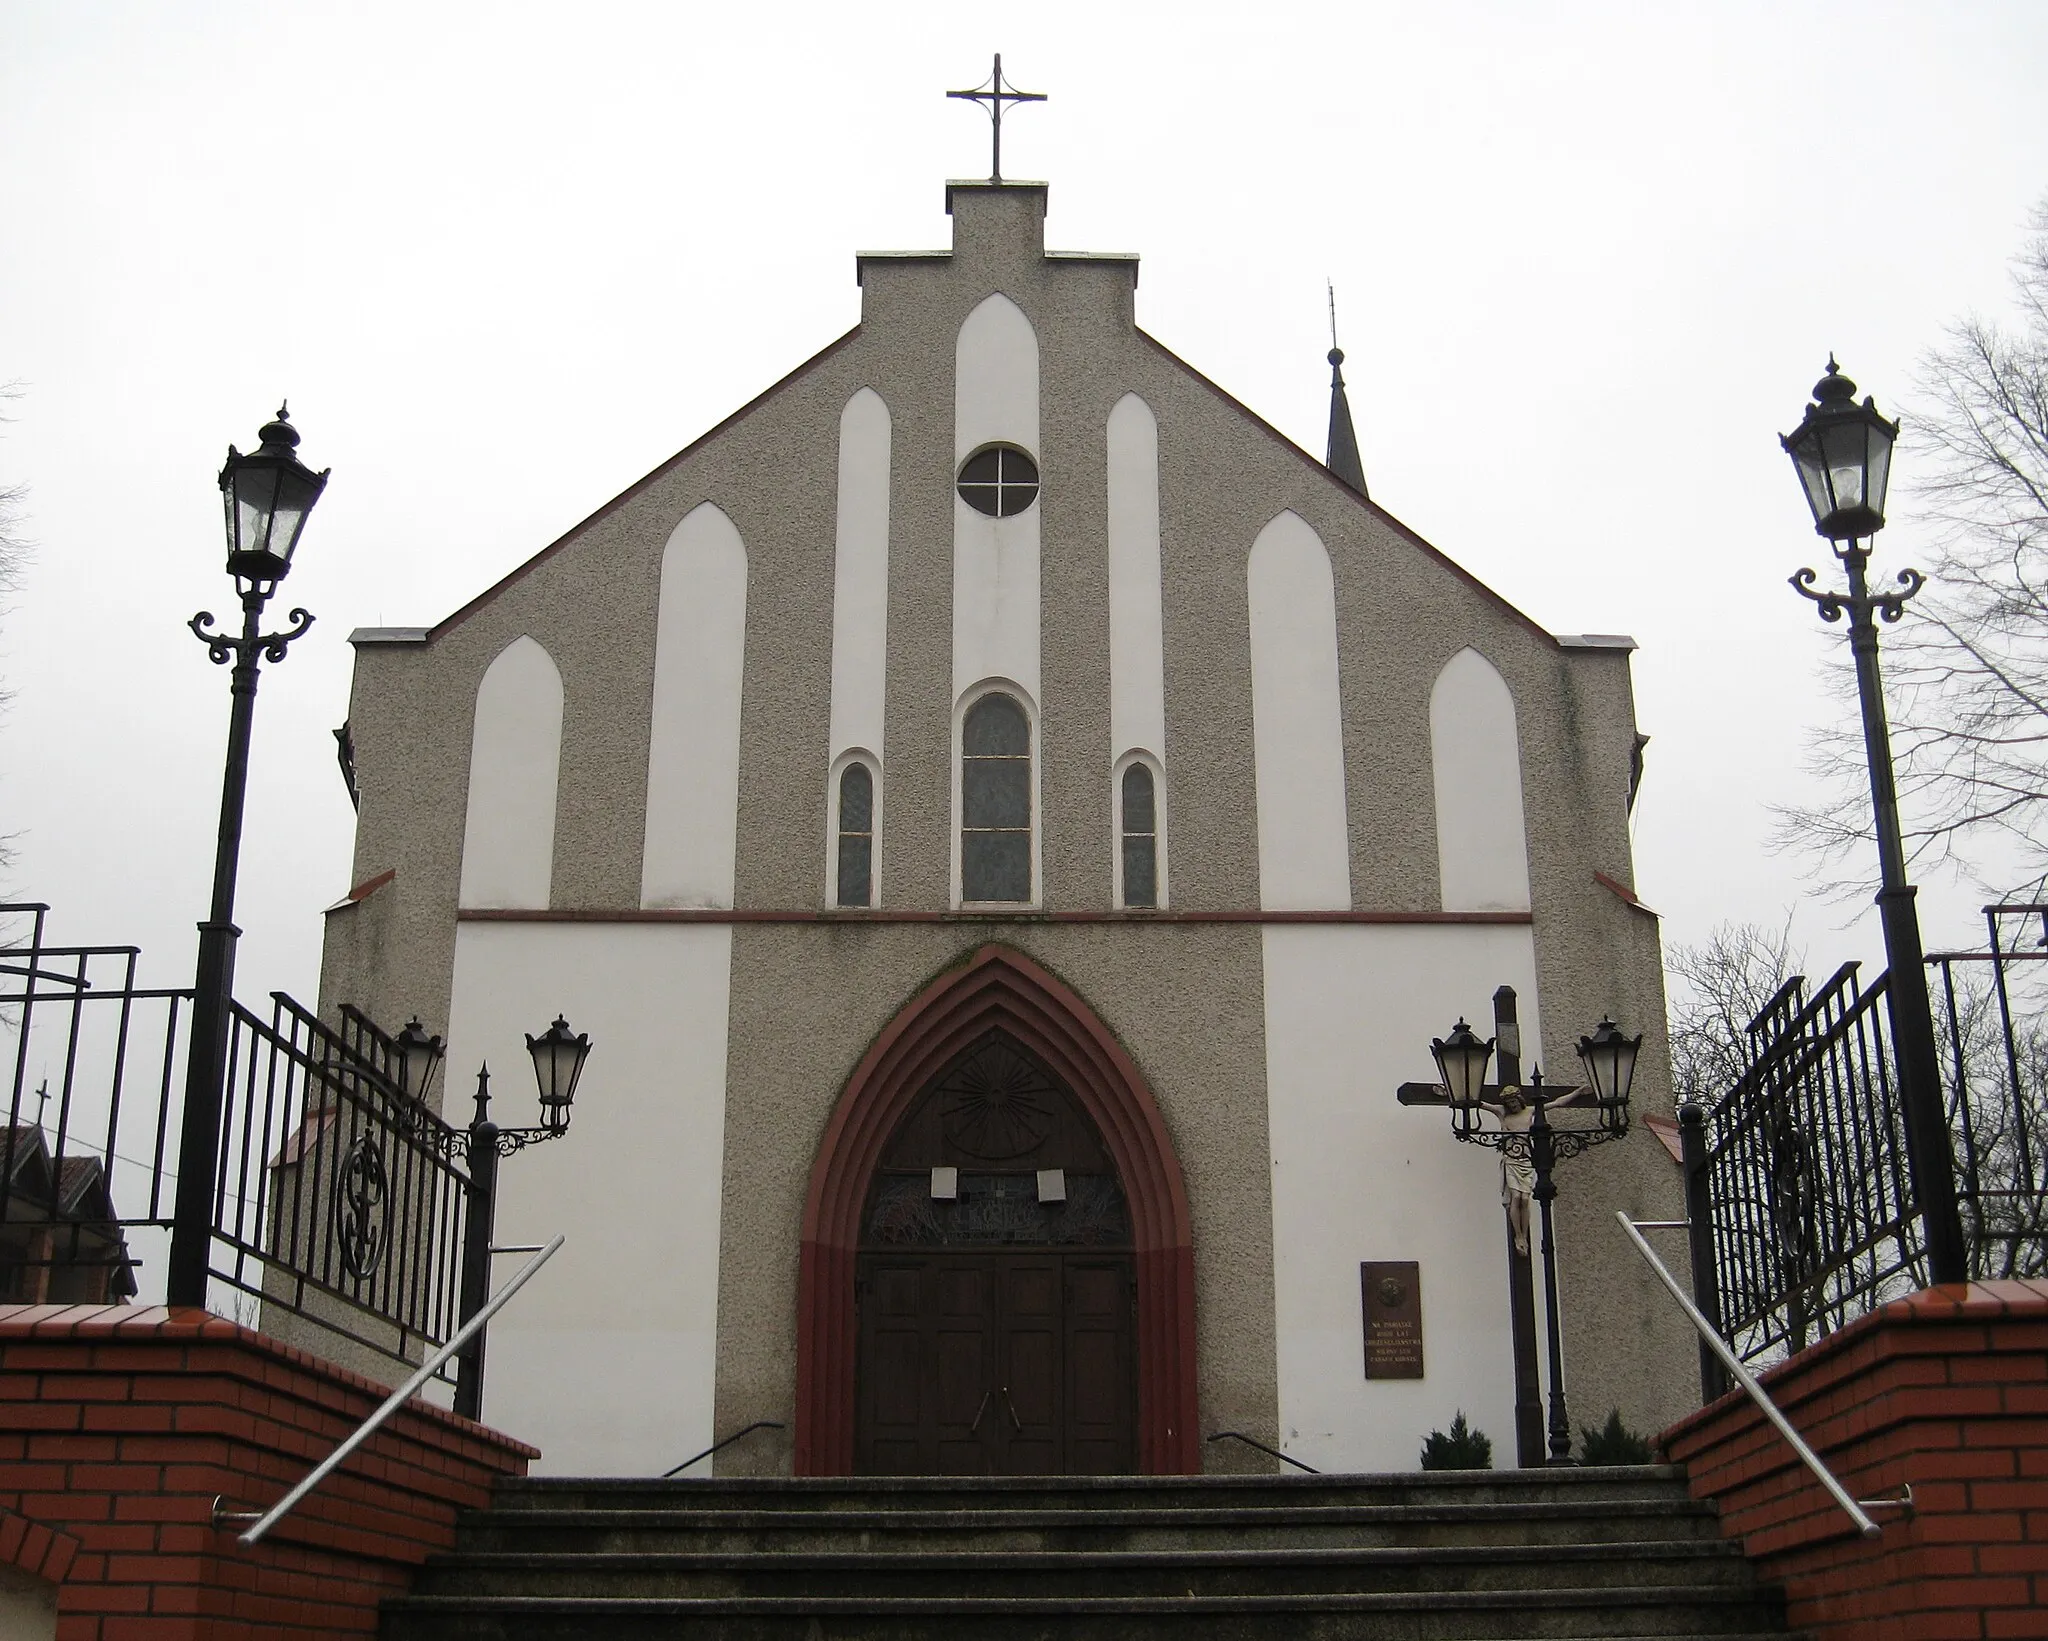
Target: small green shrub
1463,1449
1613,1443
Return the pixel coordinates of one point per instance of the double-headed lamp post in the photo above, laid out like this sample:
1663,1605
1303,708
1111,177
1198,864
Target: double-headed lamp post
558,1055
1610,1062
268,494
1843,454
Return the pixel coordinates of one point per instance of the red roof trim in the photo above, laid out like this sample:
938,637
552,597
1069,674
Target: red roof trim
636,487
1350,494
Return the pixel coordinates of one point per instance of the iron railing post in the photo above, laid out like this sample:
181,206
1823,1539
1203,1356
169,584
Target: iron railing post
1699,1220
191,1249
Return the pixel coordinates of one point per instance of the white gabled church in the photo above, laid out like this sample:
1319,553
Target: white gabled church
1009,821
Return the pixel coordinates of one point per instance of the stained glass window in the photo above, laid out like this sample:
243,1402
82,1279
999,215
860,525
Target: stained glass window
995,801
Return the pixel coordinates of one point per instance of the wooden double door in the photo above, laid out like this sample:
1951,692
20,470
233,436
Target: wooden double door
996,1362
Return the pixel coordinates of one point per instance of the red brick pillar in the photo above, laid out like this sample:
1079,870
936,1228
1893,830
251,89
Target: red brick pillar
119,1426
1946,1390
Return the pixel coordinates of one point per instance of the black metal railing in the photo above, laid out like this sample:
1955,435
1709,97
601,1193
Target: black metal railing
1801,1170
339,1204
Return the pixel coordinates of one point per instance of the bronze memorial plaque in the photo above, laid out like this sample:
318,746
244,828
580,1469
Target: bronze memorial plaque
1393,1318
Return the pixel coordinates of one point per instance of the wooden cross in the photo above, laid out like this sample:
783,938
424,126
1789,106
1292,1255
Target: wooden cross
995,94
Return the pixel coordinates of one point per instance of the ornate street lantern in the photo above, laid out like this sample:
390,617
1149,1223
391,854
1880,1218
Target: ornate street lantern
1843,454
1461,1062
267,495
1610,1062
418,1060
558,1055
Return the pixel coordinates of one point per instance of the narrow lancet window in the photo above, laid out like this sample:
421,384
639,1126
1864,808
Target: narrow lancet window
856,836
1141,838
995,801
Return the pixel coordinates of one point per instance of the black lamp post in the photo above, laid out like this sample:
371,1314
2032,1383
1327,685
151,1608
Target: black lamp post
1843,454
267,495
558,1056
1610,1062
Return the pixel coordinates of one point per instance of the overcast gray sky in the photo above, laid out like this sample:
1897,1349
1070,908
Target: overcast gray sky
506,258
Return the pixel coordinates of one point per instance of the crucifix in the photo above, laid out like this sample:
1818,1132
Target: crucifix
995,94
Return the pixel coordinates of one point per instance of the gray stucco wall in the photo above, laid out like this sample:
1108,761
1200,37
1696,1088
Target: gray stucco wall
1185,999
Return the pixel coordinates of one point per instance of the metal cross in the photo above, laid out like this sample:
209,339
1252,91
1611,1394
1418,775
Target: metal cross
995,94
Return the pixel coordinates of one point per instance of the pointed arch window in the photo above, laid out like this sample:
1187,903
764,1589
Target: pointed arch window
1140,841
854,877
995,801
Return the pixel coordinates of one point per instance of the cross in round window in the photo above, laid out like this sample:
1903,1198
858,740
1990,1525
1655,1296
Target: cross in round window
999,481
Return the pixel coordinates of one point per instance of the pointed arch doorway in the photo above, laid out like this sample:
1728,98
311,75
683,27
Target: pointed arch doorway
1001,1014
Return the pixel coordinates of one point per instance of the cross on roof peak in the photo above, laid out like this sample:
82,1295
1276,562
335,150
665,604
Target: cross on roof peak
993,92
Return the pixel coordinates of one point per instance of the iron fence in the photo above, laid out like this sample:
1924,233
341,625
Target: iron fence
1806,1189
339,1202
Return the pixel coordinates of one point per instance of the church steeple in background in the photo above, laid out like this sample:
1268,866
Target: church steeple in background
1343,458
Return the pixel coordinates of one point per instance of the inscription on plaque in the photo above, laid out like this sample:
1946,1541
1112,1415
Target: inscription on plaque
1393,1318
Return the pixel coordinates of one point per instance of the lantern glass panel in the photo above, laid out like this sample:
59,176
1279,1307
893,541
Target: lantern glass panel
1879,477
1846,447
1461,1059
1813,477
255,487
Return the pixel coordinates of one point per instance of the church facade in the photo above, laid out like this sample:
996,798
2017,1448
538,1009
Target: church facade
1009,821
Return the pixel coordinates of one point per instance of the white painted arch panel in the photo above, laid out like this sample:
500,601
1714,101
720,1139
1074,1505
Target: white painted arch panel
693,754
995,561
860,577
515,754
1137,669
1481,840
1297,722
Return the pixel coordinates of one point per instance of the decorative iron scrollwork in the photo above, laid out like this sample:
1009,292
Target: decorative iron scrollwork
362,1208
997,1106
996,1210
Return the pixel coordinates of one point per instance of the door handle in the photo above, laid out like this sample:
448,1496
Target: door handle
978,1412
1012,1406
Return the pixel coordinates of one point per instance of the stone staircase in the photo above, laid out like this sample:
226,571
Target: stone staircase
1491,1554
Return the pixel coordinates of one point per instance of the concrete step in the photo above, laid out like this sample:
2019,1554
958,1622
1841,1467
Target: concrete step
1638,1613
870,1493
1104,1527
1235,1572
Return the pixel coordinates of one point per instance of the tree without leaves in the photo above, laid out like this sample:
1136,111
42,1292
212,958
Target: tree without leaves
1723,983
1966,671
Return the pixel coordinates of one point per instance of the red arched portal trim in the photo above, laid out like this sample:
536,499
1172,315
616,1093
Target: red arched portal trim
997,988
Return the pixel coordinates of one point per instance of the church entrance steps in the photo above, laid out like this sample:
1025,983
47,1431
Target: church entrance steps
1479,1556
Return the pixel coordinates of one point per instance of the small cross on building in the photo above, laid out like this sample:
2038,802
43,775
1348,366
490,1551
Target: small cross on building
995,94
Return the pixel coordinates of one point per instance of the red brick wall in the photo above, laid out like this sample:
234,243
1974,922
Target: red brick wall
119,1426
1946,1390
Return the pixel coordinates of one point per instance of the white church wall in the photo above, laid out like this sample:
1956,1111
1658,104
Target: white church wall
1297,723
693,754
1482,846
995,561
606,1360
1350,1012
515,751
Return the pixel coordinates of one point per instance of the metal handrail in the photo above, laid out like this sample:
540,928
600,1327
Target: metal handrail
392,1403
1856,1508
744,1430
1270,1452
